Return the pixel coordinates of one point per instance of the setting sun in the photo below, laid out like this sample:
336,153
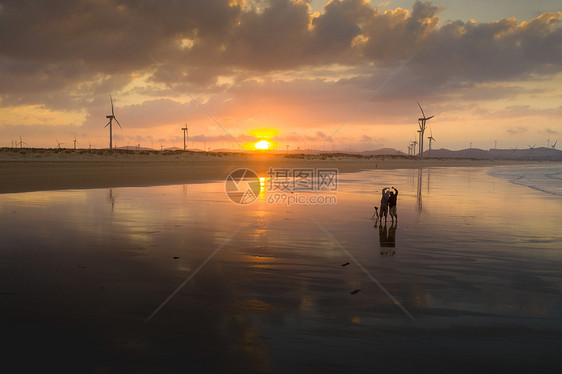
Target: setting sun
262,144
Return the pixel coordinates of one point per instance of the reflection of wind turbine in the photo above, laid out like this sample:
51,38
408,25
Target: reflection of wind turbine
431,139
110,123
422,122
112,199
58,144
419,190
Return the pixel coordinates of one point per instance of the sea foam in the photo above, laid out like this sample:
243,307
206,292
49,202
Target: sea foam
546,179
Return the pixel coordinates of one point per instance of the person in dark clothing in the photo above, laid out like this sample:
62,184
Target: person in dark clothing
384,204
392,204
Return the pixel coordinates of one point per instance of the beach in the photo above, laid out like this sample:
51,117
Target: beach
37,170
177,277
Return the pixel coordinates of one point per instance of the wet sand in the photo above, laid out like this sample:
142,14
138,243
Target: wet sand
38,170
89,279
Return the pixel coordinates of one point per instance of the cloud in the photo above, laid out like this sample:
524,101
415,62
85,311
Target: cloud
516,130
264,63
96,45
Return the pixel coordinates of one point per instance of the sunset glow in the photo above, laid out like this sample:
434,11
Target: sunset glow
262,145
343,75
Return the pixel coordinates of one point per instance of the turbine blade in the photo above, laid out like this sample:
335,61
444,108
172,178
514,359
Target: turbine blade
423,114
108,123
428,118
118,123
110,98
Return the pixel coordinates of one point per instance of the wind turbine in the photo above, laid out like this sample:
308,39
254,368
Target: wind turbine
75,142
414,143
422,122
531,147
431,138
21,143
554,144
110,123
58,144
184,136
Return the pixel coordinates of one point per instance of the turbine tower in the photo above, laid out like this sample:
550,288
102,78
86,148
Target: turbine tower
422,123
185,136
431,139
110,123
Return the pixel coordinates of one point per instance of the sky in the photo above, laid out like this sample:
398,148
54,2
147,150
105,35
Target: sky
327,75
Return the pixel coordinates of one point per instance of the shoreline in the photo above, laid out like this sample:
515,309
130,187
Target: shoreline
59,170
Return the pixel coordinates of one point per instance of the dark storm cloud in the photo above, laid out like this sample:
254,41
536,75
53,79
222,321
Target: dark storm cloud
61,53
495,51
62,44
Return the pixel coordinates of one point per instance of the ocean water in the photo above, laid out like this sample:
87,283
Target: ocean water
545,178
176,278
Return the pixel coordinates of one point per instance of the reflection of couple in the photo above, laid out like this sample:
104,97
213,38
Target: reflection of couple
387,237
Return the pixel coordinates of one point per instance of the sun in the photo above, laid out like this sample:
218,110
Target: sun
262,144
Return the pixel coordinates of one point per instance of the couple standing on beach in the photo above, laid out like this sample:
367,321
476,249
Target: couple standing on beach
388,203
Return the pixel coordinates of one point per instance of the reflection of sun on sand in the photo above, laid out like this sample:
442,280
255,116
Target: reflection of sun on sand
47,169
